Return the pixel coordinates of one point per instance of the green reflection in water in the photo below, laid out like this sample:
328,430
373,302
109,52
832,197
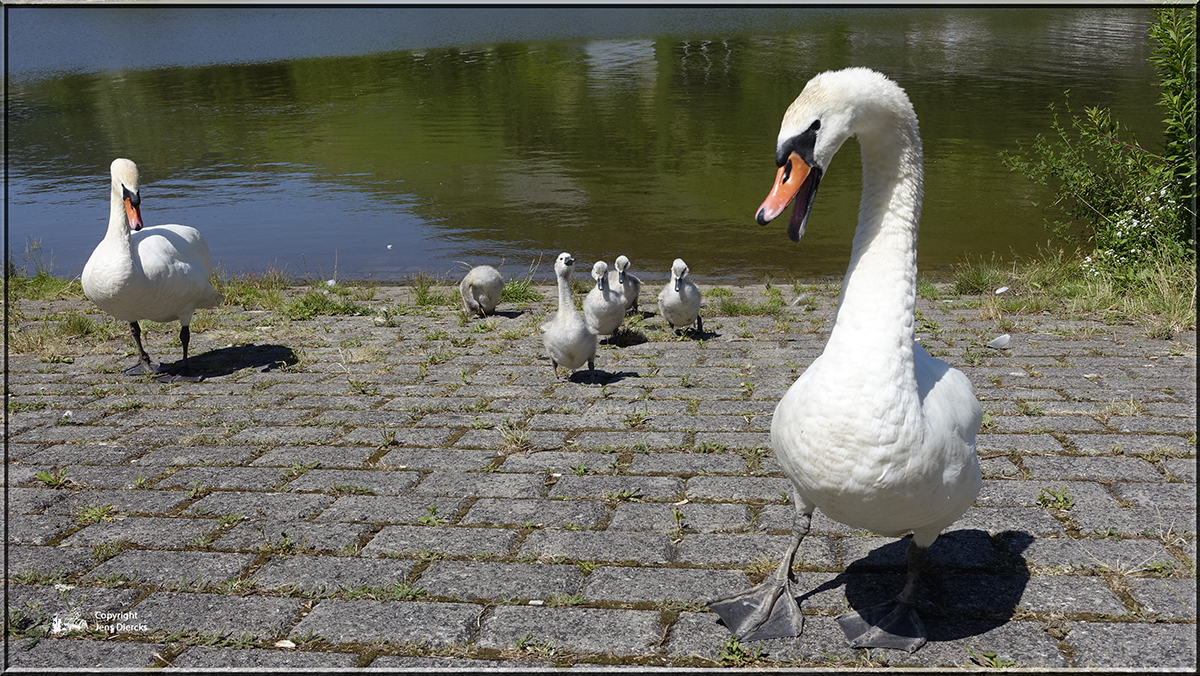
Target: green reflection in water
655,147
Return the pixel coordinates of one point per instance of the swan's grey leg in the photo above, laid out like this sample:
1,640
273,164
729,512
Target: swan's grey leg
699,324
768,609
144,364
895,623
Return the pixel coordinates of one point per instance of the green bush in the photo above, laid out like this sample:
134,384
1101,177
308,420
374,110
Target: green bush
1136,205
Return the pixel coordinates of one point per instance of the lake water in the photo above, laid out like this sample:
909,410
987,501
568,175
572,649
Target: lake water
373,143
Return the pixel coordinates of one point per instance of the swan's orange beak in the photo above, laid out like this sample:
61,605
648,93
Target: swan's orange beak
795,179
134,213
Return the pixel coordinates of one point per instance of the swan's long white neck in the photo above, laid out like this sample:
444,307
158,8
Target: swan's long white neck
565,305
873,331
118,234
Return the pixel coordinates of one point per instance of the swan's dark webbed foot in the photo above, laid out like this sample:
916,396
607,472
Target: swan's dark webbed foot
893,624
768,609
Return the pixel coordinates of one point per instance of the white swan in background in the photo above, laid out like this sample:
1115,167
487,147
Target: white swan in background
481,290
875,433
679,300
568,339
603,308
629,286
158,274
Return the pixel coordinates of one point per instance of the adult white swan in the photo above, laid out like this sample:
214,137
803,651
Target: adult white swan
158,273
875,433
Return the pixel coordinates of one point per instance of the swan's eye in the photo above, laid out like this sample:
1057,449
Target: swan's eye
133,197
815,125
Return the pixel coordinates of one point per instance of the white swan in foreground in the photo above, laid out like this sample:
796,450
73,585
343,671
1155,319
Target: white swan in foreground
629,286
876,433
158,274
603,308
679,300
568,339
481,290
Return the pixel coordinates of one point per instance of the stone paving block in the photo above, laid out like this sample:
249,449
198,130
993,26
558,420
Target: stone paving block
46,560
1183,469
173,569
56,653
687,463
783,518
474,485
1071,467
995,520
961,550
659,517
1128,444
261,616
432,624
241,478
290,536
204,657
1172,599
733,439
1041,423
123,502
1161,496
556,461
106,476
379,482
1122,556
602,487
268,506
285,434
325,456
986,443
392,509
1024,643
36,529
430,437
455,541
1133,646
71,434
457,459
540,513
1025,493
26,500
492,439
579,630
146,531
1069,594
450,664
1152,425
645,548
160,435
194,455
467,581
742,550
1149,522
634,584
739,488
649,440
326,574
86,601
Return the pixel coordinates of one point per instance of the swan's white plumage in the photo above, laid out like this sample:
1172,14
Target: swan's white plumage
159,273
620,280
876,433
679,300
603,307
568,339
481,289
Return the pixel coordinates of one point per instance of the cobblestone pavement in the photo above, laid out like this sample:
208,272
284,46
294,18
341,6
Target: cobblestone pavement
408,488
